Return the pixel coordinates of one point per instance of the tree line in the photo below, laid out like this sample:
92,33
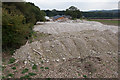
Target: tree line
18,19
74,12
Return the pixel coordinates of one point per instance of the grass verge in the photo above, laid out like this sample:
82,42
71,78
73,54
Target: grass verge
107,22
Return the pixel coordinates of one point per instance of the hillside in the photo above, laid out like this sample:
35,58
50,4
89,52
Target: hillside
110,11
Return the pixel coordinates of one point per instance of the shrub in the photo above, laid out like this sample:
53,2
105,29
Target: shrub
17,23
14,32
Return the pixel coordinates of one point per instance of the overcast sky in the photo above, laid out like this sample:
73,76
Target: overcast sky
83,5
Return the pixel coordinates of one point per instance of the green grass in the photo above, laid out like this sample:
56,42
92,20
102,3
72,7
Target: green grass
24,71
108,22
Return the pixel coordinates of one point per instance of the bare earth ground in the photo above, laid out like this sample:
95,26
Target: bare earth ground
72,49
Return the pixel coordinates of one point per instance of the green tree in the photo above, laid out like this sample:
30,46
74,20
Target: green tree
72,8
14,31
17,23
73,12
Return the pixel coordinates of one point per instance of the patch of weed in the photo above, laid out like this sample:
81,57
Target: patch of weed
79,74
3,77
3,67
42,62
84,76
3,60
16,64
40,75
11,60
30,41
0,68
14,68
103,64
7,71
41,67
48,78
10,75
12,51
32,74
0,76
24,71
34,67
15,71
26,76
46,67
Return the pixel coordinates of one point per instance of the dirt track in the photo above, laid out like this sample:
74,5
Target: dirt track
78,47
